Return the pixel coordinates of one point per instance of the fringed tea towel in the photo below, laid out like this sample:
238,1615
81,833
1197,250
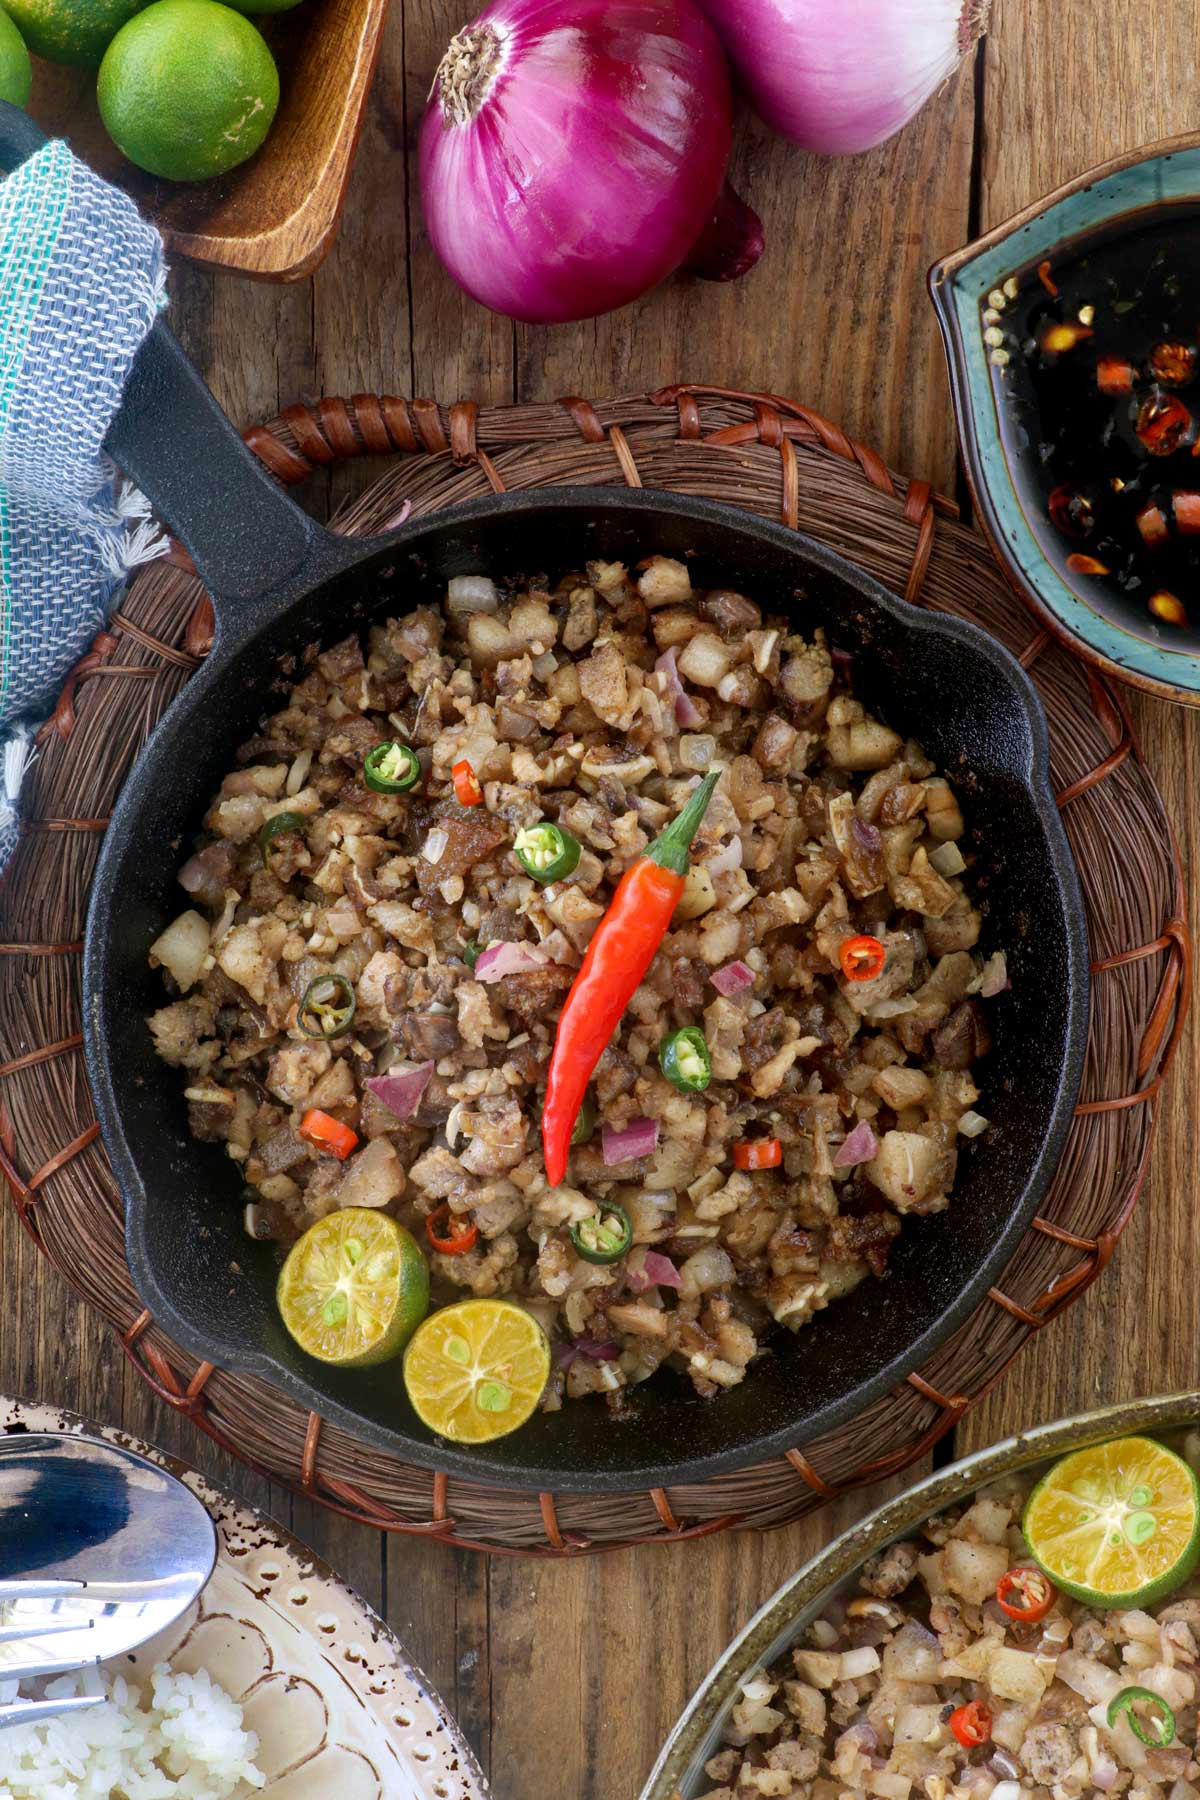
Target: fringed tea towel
81,281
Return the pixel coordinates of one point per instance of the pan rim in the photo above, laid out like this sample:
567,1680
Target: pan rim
234,634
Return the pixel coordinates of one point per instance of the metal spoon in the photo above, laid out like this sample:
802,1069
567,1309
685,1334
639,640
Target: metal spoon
78,1510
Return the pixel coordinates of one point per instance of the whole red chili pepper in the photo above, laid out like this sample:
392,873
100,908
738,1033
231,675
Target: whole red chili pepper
619,954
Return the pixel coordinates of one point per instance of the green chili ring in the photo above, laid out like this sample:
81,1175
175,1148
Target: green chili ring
278,825
1127,1699
471,952
684,1059
547,851
585,1120
331,1015
391,768
605,1237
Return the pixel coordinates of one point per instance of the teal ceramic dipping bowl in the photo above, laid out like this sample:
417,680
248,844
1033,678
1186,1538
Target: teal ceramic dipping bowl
1124,195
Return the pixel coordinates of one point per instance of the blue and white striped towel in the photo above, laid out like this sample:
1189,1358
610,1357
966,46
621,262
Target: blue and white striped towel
81,280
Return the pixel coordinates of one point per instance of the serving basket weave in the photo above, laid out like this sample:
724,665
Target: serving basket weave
782,461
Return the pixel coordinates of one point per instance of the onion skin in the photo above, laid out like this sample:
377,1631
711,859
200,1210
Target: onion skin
841,76
573,153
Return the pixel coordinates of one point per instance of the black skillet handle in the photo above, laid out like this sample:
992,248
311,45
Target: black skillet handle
247,538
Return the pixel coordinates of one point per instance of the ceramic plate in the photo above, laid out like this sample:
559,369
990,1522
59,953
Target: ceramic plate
338,1707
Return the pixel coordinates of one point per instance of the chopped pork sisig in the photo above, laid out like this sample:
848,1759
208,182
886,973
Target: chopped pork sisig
918,1685
344,928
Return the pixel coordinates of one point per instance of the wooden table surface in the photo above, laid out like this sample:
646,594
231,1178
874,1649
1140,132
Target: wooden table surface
566,1676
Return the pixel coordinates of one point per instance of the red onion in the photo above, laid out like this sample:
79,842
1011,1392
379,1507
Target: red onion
592,1348
638,1138
505,958
732,978
653,1270
843,77
686,711
866,835
401,1090
859,1147
573,154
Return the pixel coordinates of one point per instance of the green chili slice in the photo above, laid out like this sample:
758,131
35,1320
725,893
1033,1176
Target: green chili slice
548,852
585,1119
471,952
282,824
328,1006
684,1060
391,768
605,1237
1163,1730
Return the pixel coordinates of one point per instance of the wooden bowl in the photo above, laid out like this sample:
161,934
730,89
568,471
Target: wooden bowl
276,215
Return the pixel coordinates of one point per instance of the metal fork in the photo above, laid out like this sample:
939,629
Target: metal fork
30,1712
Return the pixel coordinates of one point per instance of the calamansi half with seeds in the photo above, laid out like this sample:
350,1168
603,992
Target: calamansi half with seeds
1117,1524
475,1371
354,1288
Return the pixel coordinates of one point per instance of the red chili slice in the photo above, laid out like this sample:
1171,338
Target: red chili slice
1025,1595
1152,523
971,1724
1168,607
1173,363
1086,565
862,957
1071,511
450,1234
1163,424
1114,375
1060,337
757,1153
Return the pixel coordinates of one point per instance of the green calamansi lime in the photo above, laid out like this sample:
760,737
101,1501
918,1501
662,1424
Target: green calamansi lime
71,31
1117,1524
475,1371
188,89
354,1288
16,75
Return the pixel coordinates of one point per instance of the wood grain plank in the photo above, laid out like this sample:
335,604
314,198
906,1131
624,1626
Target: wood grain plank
1061,91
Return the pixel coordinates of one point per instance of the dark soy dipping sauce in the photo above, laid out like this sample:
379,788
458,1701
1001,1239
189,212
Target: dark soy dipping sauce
1079,421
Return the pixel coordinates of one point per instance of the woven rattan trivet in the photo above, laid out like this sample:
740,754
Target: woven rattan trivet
774,458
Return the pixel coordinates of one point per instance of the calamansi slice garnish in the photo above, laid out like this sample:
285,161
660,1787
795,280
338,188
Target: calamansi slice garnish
475,1371
354,1288
1117,1524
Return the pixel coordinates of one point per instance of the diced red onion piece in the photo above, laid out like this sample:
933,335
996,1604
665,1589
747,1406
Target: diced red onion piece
592,1348
660,1270
506,958
866,835
859,1147
639,1138
842,659
402,1089
995,975
686,711
732,978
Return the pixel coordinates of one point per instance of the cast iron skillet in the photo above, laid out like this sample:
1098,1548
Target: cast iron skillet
279,582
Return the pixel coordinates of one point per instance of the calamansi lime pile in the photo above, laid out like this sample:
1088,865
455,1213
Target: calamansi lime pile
187,89
1117,1524
355,1290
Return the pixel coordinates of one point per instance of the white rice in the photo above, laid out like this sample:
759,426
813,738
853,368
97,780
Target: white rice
181,1740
